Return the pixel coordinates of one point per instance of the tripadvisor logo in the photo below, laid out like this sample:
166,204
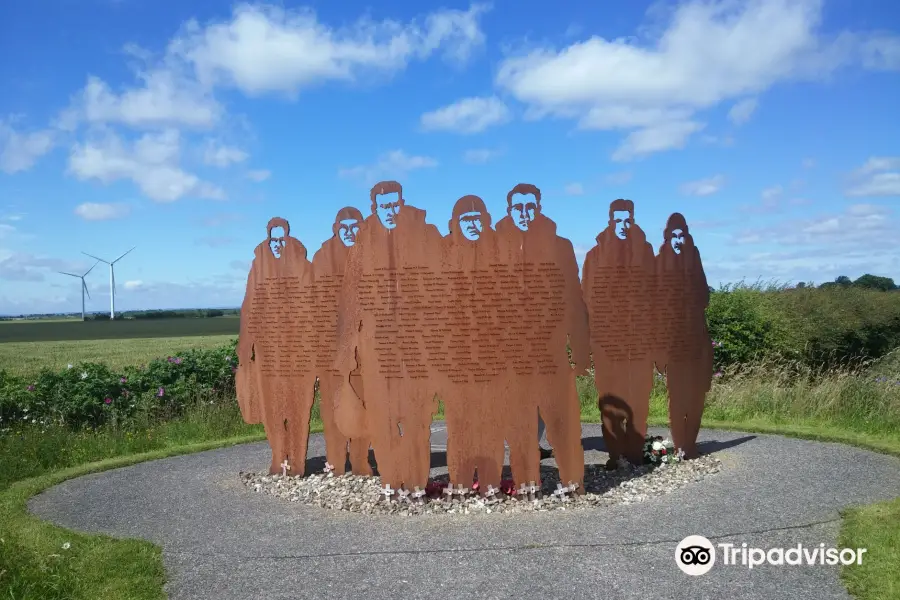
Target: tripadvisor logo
696,555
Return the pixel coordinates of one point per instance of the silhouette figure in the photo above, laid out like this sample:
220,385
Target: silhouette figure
618,284
381,325
548,315
686,354
470,380
278,334
328,267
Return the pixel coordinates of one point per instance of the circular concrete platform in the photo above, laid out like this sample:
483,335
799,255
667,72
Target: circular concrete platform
221,541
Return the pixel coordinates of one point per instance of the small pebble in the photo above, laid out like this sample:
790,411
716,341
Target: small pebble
363,494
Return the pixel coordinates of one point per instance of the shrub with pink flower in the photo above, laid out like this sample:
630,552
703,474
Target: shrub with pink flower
91,394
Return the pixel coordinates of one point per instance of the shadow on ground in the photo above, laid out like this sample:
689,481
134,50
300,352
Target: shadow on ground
708,447
597,479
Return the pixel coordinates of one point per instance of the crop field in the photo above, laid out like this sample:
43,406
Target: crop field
58,331
27,358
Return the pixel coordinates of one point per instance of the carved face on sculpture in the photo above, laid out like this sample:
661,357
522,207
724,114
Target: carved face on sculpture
622,221
276,241
470,219
677,240
388,207
470,225
522,211
347,230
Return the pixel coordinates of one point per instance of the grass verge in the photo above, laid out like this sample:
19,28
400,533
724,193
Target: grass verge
40,561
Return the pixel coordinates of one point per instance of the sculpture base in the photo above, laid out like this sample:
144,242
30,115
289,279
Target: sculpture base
352,493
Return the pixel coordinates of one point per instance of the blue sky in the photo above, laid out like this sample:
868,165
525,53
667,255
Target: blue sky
182,127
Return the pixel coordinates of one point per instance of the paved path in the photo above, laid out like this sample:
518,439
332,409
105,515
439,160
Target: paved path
220,541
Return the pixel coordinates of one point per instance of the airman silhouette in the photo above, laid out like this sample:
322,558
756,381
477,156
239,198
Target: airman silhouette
474,389
687,357
619,283
328,266
380,330
549,276
276,345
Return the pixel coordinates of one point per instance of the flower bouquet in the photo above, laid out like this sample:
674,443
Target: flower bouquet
659,451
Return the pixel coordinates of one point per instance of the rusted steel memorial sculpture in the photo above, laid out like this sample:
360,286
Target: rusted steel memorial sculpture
492,319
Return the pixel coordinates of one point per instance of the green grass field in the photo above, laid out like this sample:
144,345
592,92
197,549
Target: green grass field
68,330
25,358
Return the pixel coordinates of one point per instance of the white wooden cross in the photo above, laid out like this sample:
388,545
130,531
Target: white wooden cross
448,491
460,490
403,495
284,468
560,491
491,492
533,489
573,485
388,492
418,495
523,491
328,467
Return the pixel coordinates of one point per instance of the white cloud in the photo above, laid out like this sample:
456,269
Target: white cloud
93,211
726,141
880,163
770,201
704,53
20,151
574,189
703,187
772,194
222,156
480,156
741,112
879,177
395,163
620,178
259,175
867,224
165,98
878,185
133,285
858,240
23,266
151,163
809,163
665,136
240,265
469,115
266,48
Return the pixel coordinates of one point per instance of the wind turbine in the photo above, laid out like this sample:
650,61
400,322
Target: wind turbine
112,281
84,289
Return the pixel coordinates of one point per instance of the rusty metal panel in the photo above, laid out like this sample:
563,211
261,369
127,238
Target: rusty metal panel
277,350
328,268
684,351
390,314
619,281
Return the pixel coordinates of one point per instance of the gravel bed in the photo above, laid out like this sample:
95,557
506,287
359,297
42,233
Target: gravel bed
363,494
